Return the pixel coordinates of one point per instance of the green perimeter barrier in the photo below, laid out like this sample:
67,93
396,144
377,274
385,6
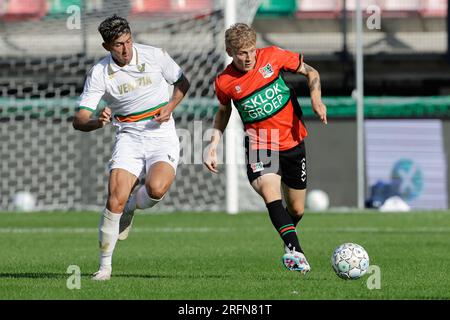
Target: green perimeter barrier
338,107
276,8
58,8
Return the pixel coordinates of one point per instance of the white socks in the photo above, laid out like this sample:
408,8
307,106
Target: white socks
108,235
139,200
109,225
143,200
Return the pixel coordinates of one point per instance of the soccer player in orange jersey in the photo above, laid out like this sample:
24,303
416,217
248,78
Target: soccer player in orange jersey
275,132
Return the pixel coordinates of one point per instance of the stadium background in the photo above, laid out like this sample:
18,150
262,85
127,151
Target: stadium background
45,56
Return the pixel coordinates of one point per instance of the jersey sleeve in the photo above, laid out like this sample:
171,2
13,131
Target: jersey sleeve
93,91
170,69
223,98
290,61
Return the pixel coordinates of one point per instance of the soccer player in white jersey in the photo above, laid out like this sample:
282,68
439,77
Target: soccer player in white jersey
134,80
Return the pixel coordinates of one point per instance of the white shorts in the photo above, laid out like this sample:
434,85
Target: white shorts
137,154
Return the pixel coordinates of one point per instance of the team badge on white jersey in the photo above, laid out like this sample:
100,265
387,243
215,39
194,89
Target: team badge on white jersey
141,67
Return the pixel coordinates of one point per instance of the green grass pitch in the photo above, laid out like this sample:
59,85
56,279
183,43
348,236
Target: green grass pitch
201,256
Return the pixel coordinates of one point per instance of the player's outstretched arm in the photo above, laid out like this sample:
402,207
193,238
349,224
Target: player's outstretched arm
315,90
220,123
82,120
180,88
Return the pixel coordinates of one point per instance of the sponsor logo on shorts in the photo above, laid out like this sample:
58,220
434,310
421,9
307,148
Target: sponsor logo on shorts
171,158
111,164
238,88
303,175
257,167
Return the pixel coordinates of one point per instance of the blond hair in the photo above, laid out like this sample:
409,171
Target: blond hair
239,36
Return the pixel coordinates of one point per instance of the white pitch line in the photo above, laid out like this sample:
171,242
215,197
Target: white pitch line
381,230
95,230
208,229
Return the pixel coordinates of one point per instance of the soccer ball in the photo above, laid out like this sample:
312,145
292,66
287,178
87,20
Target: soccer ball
23,201
350,261
317,200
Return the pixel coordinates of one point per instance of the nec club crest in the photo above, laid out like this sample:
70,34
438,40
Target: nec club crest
257,167
266,71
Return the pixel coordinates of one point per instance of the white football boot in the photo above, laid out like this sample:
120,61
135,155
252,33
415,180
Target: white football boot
296,261
102,275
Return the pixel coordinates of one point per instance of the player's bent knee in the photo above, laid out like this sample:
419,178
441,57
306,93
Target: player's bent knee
157,190
116,204
297,211
268,193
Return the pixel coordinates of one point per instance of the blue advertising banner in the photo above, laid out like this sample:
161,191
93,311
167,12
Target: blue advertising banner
406,158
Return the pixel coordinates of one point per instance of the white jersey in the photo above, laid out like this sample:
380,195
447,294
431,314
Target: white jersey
134,92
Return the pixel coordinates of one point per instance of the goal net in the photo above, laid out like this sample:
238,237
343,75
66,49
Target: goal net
48,47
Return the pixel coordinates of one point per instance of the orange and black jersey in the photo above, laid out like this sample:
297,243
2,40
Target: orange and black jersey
268,107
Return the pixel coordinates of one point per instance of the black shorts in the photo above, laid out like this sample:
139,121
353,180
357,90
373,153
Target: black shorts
289,164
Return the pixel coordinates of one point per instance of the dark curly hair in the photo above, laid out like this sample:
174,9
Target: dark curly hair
113,27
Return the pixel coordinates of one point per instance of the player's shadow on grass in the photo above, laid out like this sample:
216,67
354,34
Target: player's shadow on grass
48,275
39,275
34,275
165,276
